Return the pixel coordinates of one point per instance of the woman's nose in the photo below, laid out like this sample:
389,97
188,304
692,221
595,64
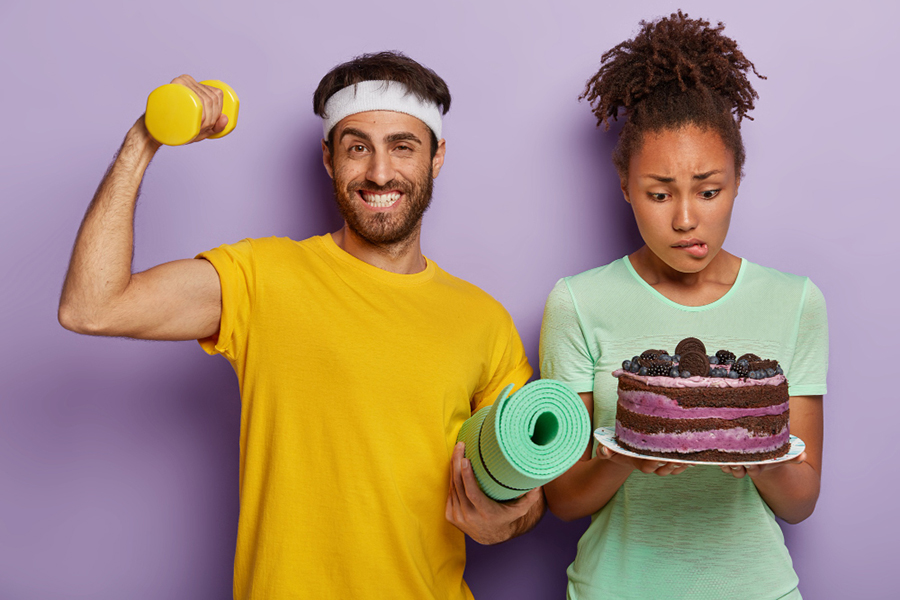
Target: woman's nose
685,217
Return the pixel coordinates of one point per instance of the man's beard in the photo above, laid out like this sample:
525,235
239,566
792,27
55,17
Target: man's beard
382,228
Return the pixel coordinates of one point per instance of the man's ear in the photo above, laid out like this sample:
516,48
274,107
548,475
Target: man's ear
624,186
438,161
327,159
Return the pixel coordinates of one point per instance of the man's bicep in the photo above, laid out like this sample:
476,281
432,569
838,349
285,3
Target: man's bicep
513,368
178,300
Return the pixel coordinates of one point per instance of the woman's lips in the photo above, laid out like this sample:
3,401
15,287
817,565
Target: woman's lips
695,248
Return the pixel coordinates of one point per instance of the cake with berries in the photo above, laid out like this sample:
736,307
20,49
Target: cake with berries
694,406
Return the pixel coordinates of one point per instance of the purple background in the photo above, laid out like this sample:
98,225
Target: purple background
118,459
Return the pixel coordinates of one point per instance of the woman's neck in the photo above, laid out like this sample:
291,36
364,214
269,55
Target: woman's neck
688,289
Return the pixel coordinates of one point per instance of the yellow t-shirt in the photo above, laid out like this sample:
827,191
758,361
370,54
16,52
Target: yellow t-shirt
354,383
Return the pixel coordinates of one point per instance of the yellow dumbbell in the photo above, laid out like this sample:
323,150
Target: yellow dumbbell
174,112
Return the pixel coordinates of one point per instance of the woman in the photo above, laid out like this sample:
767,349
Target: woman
664,530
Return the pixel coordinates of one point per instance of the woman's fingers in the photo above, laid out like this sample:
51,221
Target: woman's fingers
647,466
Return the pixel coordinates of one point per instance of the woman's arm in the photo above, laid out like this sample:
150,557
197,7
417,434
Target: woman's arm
592,481
791,489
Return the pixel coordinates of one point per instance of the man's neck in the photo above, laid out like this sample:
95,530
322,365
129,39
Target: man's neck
402,257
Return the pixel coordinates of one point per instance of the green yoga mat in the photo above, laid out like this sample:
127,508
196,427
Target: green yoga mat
526,440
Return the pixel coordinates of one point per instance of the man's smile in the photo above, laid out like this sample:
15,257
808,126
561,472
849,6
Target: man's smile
380,200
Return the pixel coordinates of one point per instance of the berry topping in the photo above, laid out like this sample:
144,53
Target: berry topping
695,362
742,367
724,356
690,359
656,367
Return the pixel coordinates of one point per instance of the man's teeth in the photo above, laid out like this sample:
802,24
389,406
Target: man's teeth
380,200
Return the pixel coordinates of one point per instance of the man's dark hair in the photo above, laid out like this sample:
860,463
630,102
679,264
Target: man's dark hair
383,66
677,71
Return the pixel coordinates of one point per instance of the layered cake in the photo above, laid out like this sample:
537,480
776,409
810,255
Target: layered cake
694,406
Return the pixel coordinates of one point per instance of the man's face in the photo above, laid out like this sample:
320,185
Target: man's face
383,173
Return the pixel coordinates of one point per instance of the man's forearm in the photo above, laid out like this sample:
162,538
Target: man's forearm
100,267
529,520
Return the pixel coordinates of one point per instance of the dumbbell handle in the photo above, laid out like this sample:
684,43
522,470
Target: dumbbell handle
174,112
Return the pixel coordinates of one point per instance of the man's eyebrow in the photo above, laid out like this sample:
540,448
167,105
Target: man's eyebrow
394,137
356,133
402,136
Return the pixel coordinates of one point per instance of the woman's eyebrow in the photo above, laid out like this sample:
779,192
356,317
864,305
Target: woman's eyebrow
698,176
659,178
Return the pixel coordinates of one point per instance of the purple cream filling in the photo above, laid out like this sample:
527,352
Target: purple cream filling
657,405
737,439
697,381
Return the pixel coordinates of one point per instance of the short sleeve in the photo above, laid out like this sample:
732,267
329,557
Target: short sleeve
511,368
234,264
564,352
809,367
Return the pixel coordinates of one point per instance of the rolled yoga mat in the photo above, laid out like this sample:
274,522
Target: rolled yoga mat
526,440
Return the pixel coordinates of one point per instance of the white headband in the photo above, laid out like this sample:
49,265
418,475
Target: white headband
379,95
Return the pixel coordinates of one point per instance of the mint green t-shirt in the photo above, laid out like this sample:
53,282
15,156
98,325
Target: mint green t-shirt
702,534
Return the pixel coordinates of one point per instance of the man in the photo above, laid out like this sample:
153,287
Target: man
358,358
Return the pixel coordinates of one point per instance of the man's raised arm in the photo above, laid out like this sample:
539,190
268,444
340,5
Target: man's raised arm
179,300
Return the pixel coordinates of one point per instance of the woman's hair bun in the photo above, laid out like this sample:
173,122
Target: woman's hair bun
672,55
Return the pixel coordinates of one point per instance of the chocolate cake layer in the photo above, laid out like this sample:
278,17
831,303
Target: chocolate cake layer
735,440
734,397
763,426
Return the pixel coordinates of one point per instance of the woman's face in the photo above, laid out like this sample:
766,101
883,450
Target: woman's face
681,186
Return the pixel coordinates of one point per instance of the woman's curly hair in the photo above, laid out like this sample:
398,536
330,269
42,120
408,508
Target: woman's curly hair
677,71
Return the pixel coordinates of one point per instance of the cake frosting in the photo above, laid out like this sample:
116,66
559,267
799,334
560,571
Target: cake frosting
729,410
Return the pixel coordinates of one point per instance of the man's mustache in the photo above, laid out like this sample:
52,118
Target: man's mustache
393,184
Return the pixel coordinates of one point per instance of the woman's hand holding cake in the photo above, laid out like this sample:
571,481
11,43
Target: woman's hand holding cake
646,466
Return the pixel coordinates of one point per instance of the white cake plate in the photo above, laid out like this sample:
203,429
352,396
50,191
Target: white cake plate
607,437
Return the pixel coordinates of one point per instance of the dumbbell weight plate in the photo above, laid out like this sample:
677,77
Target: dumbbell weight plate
230,105
174,112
